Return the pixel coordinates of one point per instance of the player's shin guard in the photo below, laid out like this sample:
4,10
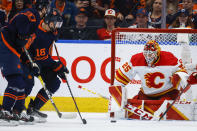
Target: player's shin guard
118,100
14,91
40,99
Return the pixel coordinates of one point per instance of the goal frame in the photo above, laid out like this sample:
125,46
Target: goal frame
113,41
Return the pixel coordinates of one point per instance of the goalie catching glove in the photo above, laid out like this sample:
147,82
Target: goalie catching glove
60,69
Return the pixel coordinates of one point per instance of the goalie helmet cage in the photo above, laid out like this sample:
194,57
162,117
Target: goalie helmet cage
126,42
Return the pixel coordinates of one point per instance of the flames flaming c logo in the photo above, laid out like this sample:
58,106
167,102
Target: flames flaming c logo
150,80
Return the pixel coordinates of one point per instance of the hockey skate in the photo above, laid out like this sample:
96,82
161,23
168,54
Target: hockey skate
7,119
39,116
24,118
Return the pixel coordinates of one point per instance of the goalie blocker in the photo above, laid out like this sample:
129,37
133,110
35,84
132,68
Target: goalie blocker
119,107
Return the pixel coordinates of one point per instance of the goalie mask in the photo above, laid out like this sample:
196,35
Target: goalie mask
151,52
54,19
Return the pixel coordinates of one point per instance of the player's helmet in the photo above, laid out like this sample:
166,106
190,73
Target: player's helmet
151,52
53,16
40,4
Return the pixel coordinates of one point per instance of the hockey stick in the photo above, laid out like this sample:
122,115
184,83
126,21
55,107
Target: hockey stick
142,113
60,115
170,106
82,119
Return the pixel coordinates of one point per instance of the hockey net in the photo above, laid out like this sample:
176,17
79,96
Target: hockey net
127,42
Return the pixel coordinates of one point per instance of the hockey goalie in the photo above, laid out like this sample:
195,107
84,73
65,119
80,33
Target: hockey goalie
162,79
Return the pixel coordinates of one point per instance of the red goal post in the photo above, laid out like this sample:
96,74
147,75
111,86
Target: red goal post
125,39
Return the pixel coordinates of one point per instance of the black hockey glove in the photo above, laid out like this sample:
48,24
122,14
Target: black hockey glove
35,70
61,70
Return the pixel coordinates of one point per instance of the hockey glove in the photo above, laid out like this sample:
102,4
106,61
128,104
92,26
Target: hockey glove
175,79
35,69
192,78
61,70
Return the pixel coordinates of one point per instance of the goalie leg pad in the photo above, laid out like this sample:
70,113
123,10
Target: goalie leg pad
118,93
118,100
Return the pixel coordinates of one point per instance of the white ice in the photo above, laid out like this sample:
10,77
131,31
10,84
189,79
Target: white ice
101,122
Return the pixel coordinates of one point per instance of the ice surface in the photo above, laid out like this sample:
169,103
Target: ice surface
101,122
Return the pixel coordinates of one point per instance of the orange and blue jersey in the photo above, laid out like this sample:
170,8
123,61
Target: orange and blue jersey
41,48
20,30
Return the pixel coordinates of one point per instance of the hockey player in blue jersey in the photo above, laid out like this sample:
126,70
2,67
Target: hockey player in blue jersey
18,33
41,52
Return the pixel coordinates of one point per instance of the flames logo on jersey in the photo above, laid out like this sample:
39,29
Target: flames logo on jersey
150,80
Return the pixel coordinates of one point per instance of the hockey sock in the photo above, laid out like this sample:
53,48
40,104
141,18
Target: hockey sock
14,91
40,99
19,105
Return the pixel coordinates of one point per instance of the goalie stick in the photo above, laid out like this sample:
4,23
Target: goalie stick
82,119
183,40
60,115
142,113
170,106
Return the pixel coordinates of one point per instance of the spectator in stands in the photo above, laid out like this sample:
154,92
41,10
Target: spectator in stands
68,10
17,6
101,6
94,6
172,6
80,31
96,10
126,10
141,19
149,4
189,6
183,21
109,19
6,5
154,15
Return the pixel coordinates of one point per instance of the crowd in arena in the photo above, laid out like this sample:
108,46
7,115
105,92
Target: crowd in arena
95,19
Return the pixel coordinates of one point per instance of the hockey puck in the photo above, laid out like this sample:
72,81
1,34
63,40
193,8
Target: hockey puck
84,121
113,121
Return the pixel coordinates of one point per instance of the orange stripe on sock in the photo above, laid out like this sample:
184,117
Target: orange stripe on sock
21,97
42,98
10,96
